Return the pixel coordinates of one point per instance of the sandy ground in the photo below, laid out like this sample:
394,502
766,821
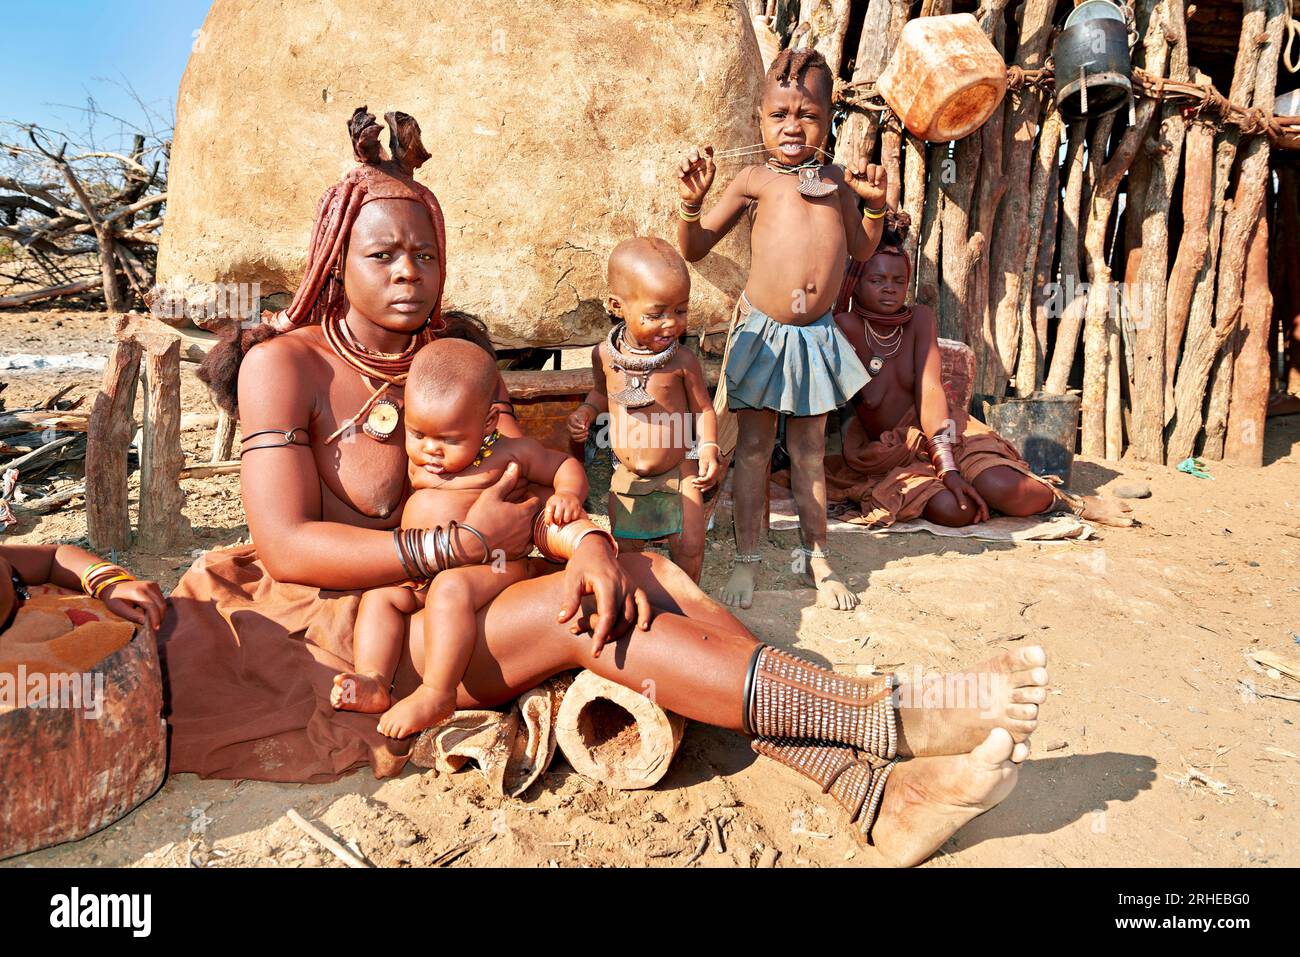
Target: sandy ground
1147,630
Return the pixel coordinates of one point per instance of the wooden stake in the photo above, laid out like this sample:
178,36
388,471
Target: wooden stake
880,30
1167,25
162,522
1044,206
914,156
1014,239
1241,221
1208,327
1193,247
830,21
955,319
1072,305
108,522
224,441
927,261
891,143
1244,442
1097,316
992,374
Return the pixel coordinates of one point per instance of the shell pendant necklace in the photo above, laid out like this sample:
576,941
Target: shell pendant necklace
809,172
636,366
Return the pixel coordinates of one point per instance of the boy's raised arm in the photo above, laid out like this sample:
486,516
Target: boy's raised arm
699,232
867,182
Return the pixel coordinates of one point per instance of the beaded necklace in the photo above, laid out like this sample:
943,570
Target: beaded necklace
485,450
869,319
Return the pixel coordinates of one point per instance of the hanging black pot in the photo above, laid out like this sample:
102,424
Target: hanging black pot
1092,61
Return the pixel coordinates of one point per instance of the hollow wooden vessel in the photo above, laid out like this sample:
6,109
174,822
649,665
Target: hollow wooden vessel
615,735
68,770
945,77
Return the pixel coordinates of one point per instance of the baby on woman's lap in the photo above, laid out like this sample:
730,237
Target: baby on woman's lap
455,453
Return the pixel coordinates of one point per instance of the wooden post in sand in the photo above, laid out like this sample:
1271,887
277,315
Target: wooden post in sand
108,439
614,735
224,441
162,522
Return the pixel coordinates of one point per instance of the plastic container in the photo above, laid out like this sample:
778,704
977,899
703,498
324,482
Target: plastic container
1043,427
945,77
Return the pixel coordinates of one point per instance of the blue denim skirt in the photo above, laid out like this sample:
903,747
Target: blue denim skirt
797,370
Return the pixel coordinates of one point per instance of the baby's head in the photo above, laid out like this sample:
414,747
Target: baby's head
449,409
796,106
650,290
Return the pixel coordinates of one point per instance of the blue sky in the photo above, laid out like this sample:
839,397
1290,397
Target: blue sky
55,54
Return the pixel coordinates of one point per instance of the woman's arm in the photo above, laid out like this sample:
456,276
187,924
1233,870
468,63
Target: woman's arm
63,565
931,400
933,412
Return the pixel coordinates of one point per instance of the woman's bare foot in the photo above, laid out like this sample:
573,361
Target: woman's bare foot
831,591
422,708
950,714
367,693
738,592
1102,510
927,800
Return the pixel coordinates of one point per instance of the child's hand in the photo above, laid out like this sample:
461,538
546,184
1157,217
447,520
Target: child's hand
140,602
708,468
695,175
869,181
580,420
563,508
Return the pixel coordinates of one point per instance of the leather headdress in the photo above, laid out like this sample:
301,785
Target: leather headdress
376,177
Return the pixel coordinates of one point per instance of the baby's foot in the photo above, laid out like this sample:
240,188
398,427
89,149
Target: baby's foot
831,591
367,693
738,592
421,709
927,800
951,713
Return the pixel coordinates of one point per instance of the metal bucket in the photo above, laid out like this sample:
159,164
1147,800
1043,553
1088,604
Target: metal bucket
1043,427
1091,61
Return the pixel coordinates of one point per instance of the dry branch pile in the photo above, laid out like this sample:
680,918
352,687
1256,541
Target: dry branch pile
78,222
42,454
